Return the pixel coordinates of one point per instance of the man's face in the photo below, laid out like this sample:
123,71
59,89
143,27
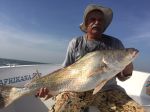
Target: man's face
95,23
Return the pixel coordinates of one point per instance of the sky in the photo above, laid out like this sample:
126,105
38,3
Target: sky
40,30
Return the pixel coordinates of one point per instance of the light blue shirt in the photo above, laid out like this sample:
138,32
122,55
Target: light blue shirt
80,46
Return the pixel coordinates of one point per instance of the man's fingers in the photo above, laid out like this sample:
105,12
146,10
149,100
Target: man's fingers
45,91
41,93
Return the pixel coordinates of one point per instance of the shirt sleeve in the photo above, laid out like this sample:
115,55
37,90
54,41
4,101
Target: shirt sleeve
117,44
70,58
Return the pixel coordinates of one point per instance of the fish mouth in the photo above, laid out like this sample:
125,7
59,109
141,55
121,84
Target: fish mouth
135,53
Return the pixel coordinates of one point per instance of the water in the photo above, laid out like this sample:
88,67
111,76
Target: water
12,62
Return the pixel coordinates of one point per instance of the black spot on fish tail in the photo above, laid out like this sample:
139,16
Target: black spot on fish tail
2,102
4,95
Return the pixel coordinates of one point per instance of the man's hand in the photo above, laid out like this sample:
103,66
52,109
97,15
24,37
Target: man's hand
43,93
126,73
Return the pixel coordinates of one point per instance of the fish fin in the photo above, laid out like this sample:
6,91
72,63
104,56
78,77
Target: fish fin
99,86
8,94
36,75
103,67
104,61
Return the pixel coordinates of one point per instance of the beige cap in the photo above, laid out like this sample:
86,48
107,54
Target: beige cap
108,15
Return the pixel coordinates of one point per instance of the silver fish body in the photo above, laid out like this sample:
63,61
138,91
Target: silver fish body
90,72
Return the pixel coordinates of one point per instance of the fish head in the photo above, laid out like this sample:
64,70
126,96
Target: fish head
120,58
131,54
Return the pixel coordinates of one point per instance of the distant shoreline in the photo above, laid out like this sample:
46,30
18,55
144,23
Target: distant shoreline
12,62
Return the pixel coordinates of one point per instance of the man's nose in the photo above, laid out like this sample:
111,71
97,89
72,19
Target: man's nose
97,22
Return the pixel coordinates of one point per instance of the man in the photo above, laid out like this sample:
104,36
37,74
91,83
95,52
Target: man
112,97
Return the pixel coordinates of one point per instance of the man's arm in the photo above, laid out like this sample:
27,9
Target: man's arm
126,73
69,59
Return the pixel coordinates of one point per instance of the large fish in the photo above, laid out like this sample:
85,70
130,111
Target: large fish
90,72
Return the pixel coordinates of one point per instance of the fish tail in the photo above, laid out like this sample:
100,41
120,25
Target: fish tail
8,94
